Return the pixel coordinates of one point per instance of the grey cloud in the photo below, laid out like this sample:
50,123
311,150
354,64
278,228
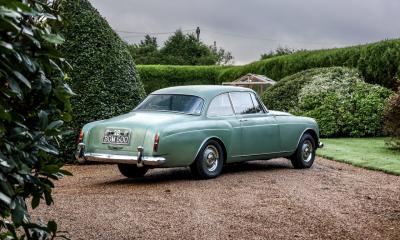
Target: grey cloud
308,24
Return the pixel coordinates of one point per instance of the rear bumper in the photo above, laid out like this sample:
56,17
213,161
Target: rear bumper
139,160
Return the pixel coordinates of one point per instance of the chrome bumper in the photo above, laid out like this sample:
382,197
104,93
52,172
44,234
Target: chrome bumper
139,160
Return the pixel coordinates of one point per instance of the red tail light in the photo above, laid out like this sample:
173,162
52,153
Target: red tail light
80,139
156,141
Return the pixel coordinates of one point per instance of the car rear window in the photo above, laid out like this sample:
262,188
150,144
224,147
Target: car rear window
172,102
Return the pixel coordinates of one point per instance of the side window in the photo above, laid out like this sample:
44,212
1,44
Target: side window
242,103
220,106
257,106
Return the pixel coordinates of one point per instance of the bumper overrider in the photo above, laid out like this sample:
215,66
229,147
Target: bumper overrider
139,160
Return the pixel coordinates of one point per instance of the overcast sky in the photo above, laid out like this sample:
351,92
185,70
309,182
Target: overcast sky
248,28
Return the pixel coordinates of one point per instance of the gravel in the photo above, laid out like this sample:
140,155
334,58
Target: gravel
253,200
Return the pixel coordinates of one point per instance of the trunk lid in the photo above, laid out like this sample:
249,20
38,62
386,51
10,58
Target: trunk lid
142,127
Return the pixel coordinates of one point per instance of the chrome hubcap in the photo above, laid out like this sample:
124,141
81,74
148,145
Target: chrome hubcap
307,151
211,157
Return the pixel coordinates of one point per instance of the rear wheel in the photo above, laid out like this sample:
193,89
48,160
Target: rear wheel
305,152
132,171
209,161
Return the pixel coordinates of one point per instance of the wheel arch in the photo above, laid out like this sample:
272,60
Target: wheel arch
313,134
217,139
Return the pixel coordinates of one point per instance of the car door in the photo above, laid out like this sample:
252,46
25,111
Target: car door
221,110
259,131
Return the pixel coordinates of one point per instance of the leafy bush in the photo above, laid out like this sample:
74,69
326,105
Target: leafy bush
34,101
392,121
378,63
103,75
160,76
284,94
342,103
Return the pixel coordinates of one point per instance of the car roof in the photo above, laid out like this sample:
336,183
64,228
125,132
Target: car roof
204,91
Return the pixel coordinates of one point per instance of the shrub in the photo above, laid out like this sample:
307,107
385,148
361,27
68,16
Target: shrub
392,121
34,101
160,76
283,95
378,63
103,76
343,104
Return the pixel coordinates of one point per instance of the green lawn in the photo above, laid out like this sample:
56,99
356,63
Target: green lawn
368,153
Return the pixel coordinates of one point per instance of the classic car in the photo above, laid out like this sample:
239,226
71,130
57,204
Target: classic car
204,127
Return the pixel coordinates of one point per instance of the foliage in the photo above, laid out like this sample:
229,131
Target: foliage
378,63
160,76
284,94
341,102
280,51
104,75
34,103
222,57
179,49
392,121
146,52
369,153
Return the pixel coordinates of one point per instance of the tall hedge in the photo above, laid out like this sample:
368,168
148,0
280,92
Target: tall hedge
161,76
378,63
104,75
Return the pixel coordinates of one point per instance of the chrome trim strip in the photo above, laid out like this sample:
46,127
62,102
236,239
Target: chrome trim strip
111,158
259,154
82,156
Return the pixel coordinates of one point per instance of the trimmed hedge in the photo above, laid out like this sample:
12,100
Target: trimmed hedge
103,76
338,98
378,63
161,76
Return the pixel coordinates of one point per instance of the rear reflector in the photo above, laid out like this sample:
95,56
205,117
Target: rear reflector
156,141
80,139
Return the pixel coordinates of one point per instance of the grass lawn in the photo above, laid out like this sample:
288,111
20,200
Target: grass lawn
368,153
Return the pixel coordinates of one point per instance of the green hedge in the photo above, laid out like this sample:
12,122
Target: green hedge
377,62
160,76
103,75
338,98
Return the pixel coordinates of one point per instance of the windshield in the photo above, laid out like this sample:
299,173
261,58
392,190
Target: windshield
172,102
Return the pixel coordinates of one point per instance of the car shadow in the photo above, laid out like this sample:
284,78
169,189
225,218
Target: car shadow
184,174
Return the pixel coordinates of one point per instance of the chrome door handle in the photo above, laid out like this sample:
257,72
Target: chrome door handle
243,120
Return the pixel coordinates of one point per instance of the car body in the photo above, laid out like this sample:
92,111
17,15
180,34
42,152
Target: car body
171,127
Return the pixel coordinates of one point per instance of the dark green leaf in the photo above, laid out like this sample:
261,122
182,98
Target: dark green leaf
53,38
22,78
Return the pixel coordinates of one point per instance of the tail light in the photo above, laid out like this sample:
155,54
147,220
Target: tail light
80,139
156,141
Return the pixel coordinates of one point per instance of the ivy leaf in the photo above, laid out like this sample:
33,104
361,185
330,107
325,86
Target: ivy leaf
22,78
53,38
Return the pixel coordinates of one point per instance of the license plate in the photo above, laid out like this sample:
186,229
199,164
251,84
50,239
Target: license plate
116,136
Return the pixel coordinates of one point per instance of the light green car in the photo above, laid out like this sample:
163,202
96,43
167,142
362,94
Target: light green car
203,127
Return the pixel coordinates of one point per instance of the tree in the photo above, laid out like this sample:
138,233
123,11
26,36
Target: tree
146,52
222,57
104,74
179,49
34,103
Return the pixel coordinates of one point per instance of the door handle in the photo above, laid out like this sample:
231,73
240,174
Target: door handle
243,120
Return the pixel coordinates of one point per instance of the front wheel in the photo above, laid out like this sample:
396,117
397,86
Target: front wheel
132,171
209,161
305,152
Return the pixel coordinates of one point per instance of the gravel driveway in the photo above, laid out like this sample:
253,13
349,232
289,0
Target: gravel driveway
254,200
